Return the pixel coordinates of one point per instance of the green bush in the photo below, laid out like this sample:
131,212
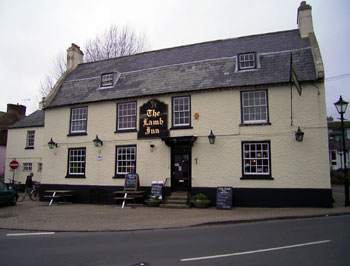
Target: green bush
200,196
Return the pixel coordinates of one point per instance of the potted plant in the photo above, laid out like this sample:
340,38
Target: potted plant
200,201
153,200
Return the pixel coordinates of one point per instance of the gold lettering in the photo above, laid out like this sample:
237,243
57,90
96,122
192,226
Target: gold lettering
154,131
152,113
148,131
149,112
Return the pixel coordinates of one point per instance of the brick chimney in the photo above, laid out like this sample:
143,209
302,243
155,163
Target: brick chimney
304,20
20,110
74,56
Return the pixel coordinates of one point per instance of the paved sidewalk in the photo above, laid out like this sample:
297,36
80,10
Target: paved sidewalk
29,215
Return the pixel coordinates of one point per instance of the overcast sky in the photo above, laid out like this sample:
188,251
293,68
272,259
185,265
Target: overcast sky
34,32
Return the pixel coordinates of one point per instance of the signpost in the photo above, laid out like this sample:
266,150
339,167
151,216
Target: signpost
14,164
224,198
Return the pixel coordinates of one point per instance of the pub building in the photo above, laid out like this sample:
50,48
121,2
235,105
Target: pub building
245,113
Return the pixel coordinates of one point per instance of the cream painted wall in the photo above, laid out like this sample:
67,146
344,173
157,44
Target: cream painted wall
294,165
16,144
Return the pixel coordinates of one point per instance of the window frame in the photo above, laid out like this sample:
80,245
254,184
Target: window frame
78,132
256,174
40,167
240,61
69,160
133,162
27,167
255,122
110,80
173,112
30,145
128,129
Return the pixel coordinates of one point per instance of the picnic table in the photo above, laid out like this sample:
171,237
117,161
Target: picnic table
58,194
131,189
128,195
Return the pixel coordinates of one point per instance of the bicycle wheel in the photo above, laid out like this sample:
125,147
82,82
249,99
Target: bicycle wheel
34,195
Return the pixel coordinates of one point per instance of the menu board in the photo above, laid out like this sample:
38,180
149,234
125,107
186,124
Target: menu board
224,198
157,189
131,180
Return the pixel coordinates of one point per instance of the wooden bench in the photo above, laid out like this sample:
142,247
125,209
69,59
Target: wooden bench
58,194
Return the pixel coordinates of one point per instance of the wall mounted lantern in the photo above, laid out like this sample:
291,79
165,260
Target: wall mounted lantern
97,142
211,137
299,135
341,106
52,144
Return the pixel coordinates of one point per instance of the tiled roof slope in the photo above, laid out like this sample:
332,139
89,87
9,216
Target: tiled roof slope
189,68
36,119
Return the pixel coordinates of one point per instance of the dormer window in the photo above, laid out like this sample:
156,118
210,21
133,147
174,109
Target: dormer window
107,80
247,61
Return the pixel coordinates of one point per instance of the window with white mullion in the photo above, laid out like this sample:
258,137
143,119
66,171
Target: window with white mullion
79,120
30,138
247,61
107,80
76,162
126,160
27,167
256,159
254,107
181,111
126,119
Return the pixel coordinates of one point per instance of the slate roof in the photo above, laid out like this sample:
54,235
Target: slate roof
194,67
36,119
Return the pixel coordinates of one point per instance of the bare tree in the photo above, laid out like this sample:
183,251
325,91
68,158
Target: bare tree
59,66
115,41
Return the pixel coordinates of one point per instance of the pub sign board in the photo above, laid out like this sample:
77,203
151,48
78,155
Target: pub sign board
153,120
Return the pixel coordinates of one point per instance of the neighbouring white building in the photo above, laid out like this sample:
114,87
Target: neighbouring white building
25,144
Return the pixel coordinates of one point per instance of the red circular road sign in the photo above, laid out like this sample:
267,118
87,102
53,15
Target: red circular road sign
14,164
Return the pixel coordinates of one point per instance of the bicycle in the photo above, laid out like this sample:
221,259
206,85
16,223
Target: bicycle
34,192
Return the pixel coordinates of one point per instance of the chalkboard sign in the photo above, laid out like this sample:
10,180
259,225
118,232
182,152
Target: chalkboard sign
131,181
157,189
224,198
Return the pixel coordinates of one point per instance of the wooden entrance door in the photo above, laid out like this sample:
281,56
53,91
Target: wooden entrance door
181,168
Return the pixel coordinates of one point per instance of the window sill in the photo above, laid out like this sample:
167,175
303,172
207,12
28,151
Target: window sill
119,177
181,127
257,177
125,131
75,176
29,148
77,134
255,124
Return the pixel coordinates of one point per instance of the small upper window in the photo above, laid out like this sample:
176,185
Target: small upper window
30,139
247,61
107,80
27,167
